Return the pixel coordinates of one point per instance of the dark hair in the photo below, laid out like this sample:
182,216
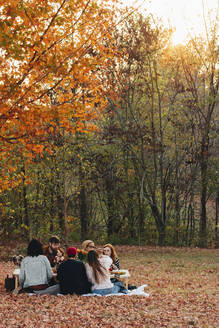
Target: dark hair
35,248
54,240
92,259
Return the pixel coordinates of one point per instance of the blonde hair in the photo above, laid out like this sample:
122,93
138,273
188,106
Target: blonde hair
61,250
113,252
86,243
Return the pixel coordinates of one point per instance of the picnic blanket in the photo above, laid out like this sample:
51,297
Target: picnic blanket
138,291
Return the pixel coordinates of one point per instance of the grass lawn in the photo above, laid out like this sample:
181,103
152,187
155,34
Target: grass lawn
183,285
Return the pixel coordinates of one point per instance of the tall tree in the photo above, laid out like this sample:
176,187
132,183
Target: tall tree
50,46
201,77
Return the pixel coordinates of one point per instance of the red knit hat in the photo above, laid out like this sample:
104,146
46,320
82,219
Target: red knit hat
71,251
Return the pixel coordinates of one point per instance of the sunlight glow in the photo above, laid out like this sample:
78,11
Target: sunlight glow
185,16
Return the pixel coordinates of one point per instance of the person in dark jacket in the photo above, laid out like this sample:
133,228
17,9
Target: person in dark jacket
50,251
72,275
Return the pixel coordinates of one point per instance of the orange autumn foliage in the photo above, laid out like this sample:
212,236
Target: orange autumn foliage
52,55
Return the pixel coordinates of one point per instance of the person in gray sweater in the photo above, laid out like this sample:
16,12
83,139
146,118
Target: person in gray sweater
36,272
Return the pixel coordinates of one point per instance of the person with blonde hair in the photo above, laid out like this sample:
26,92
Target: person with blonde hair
109,250
88,245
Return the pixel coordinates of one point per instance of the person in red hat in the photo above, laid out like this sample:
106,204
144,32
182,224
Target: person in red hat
72,275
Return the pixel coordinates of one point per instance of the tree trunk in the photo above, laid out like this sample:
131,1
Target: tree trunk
110,206
83,213
160,225
203,217
65,205
52,210
26,220
216,221
141,219
162,235
60,205
177,218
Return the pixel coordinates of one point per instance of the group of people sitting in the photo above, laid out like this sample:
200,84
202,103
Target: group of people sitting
48,270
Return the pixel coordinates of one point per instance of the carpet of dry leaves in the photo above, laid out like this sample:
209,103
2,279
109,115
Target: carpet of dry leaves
182,283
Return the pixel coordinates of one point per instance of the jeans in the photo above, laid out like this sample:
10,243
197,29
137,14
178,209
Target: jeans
122,288
106,291
52,290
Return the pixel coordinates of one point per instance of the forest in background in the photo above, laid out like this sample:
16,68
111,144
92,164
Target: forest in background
107,130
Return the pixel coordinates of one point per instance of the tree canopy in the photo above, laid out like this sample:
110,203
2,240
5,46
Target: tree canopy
52,54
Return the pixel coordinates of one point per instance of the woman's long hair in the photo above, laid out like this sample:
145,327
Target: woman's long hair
98,269
113,252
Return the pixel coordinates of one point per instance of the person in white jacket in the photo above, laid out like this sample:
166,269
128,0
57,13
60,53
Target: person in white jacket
36,272
97,268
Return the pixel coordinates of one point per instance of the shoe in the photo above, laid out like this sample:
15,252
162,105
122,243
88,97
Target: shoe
131,287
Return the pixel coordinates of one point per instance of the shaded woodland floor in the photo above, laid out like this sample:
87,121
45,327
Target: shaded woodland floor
183,285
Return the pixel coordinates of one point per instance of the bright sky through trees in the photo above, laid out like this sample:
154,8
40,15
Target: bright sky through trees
186,16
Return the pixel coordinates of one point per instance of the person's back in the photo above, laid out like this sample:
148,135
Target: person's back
35,271
103,275
72,275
